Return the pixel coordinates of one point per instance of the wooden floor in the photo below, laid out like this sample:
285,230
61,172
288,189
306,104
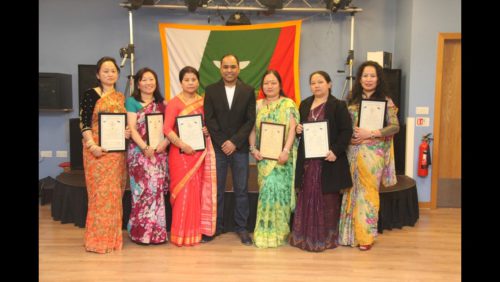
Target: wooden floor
429,251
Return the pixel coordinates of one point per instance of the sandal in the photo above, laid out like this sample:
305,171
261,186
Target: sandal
365,247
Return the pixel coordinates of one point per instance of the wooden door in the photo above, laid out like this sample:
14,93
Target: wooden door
447,150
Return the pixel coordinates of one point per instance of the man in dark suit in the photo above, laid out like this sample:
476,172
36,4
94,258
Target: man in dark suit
230,116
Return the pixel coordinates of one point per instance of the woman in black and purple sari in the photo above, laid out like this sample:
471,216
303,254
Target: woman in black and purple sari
319,180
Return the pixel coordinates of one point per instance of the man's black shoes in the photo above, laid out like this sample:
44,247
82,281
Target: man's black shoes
245,238
206,239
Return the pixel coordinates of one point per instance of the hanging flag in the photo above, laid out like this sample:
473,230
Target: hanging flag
259,47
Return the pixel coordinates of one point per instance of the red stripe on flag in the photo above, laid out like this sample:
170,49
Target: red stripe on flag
282,61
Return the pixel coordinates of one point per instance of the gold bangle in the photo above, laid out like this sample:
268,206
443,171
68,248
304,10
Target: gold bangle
174,140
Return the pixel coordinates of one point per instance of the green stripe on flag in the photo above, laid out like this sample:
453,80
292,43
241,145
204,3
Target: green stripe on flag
254,46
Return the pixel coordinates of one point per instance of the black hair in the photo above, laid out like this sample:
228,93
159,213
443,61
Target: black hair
325,75
229,54
99,65
381,91
137,93
188,69
277,75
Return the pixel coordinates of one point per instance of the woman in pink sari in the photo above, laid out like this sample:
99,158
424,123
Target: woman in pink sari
147,162
193,182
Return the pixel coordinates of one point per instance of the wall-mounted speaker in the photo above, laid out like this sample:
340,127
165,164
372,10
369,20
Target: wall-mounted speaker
54,92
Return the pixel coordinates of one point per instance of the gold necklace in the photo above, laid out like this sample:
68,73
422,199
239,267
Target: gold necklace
268,102
187,100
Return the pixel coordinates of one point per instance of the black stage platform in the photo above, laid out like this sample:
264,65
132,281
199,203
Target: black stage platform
398,203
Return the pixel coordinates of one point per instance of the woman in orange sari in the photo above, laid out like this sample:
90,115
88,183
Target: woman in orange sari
105,172
193,182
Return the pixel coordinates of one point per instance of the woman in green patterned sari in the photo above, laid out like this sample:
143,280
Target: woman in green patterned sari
275,177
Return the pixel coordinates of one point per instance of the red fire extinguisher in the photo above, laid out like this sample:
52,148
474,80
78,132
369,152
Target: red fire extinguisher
424,155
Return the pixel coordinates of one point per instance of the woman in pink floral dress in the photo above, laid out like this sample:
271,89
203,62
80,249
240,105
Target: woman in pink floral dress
147,164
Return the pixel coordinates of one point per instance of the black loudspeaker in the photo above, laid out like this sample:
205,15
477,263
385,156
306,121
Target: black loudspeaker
400,149
54,92
393,79
86,79
75,144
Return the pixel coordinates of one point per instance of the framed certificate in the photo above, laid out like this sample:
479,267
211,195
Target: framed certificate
316,139
272,140
190,131
112,131
372,114
154,129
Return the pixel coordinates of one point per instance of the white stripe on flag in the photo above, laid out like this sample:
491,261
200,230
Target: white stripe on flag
185,47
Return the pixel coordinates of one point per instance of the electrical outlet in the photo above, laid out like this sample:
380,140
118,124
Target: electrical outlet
61,154
46,154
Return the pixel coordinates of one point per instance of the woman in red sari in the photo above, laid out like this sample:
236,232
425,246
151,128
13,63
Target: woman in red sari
193,182
105,172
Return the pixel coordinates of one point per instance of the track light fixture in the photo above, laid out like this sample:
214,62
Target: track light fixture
272,4
335,5
136,4
238,18
193,4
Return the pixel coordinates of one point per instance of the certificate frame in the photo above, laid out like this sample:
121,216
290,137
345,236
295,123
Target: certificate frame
372,114
190,131
272,140
316,139
154,129
112,131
